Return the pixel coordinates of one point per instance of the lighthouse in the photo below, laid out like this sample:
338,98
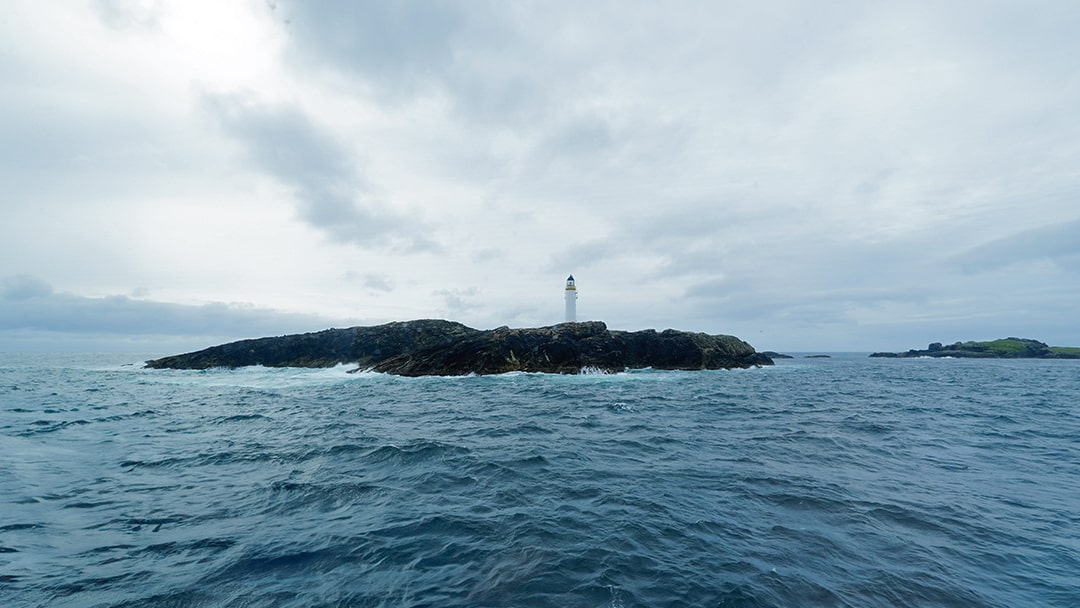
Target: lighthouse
571,300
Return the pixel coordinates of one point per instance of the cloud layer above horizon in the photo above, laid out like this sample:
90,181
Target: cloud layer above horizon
839,176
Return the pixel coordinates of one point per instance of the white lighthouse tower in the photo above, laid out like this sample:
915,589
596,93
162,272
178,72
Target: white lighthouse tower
571,300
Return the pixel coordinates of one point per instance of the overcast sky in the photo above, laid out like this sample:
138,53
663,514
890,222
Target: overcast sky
825,176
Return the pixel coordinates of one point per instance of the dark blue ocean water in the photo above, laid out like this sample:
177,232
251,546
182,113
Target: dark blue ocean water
819,482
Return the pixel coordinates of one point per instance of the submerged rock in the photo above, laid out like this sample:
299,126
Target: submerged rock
445,348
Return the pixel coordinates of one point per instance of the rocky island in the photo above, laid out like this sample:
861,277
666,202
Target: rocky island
431,347
1005,348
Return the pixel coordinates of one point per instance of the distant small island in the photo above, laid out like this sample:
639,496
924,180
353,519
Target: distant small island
1005,348
432,347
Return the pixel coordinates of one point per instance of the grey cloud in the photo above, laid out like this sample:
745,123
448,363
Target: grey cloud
28,303
283,141
627,157
120,14
1035,40
832,297
686,238
873,185
499,100
682,222
827,318
459,300
585,254
582,136
396,45
23,287
378,282
333,197
475,55
1059,243
487,255
582,146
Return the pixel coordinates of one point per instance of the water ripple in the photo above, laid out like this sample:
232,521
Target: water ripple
849,482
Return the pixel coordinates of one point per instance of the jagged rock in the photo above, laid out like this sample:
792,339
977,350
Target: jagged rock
364,346
570,347
432,347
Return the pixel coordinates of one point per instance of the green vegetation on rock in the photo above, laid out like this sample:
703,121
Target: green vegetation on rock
1004,348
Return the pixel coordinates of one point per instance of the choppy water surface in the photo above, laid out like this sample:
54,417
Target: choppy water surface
819,482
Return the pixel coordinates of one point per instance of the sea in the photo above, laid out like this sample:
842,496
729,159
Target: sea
840,481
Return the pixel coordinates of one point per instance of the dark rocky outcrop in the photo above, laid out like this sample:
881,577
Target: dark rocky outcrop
775,355
1005,348
570,347
444,348
364,346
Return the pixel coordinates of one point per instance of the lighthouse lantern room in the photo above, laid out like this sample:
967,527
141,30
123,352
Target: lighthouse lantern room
571,300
